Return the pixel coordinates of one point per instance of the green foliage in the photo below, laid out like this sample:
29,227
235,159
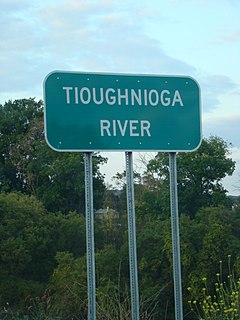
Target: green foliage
204,240
116,304
211,238
69,233
25,240
29,240
37,310
25,233
218,239
42,233
155,272
15,120
199,176
69,287
221,303
28,165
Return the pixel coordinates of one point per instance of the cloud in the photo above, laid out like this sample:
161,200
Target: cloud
219,125
232,183
106,35
10,5
107,38
235,152
227,36
213,87
94,36
231,37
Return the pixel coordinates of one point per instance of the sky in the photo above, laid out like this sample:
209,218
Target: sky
196,38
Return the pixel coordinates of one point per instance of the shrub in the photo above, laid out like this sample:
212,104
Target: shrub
223,303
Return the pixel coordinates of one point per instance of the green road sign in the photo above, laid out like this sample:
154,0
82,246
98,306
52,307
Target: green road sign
111,112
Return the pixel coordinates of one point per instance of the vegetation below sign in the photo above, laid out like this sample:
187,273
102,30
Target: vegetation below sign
42,238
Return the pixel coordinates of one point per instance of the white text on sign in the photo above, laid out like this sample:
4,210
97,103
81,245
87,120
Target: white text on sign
120,97
133,128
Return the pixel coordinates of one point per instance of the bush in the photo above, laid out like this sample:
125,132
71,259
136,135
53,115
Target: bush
223,303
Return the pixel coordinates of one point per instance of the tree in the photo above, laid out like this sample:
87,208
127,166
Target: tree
213,237
68,287
199,175
30,238
28,165
26,241
15,120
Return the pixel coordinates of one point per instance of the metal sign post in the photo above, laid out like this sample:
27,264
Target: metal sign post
132,237
175,237
90,236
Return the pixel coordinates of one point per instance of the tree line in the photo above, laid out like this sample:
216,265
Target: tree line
42,238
